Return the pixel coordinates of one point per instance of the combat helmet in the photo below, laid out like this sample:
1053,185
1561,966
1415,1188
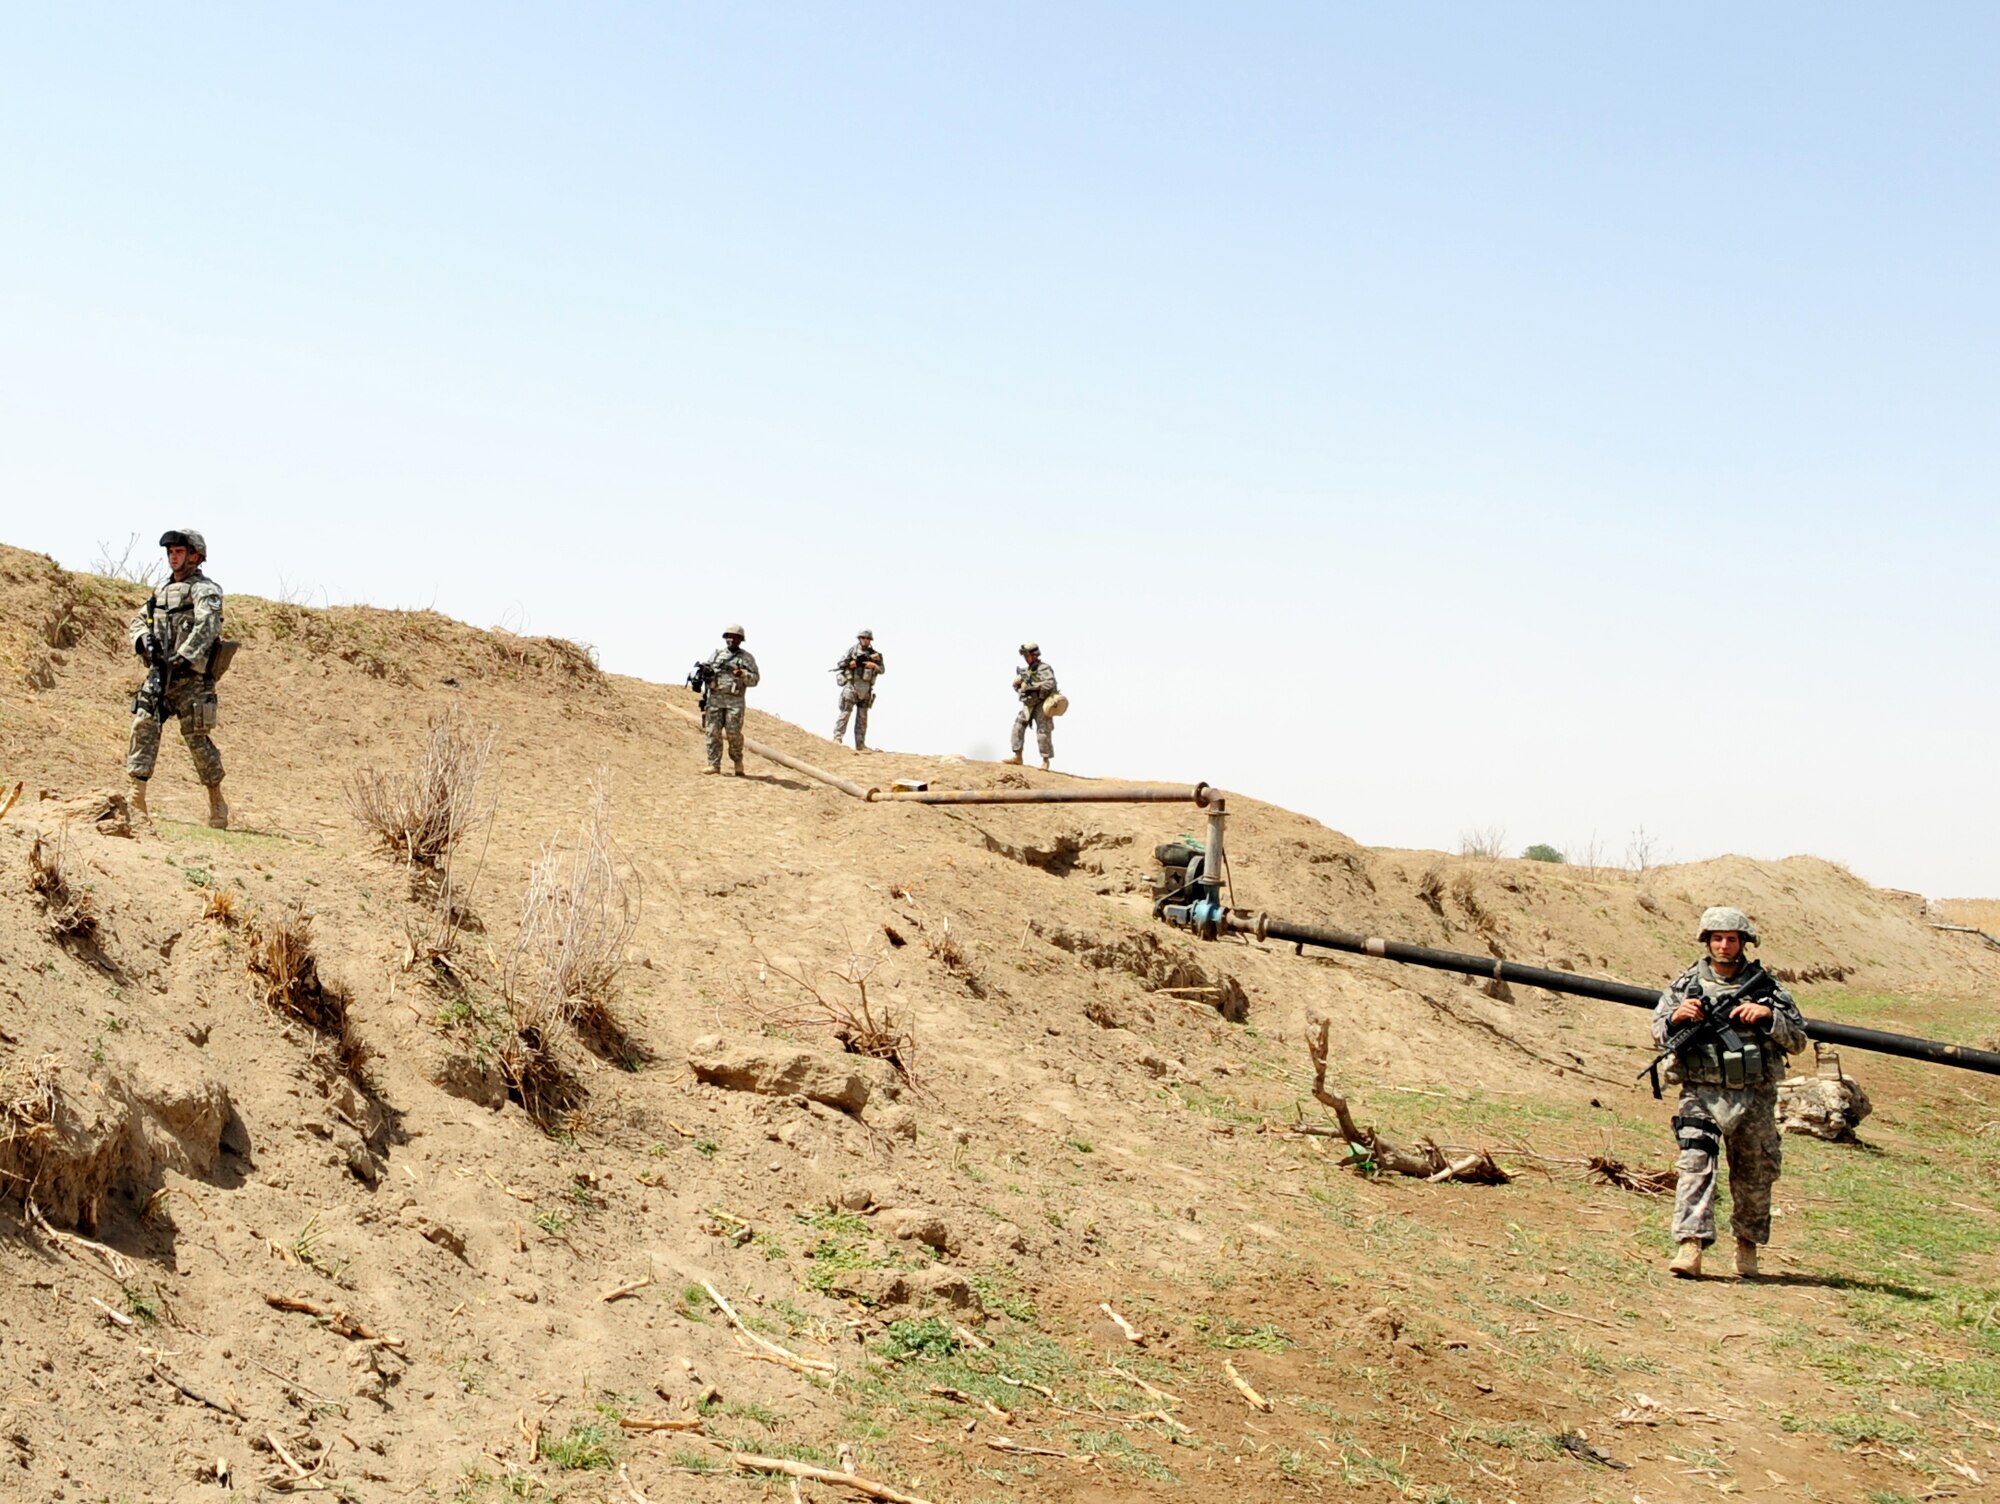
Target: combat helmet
1030,647
867,632
735,629
185,537
1722,917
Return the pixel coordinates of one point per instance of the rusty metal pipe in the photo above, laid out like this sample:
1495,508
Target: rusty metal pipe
786,760
1910,1047
1198,794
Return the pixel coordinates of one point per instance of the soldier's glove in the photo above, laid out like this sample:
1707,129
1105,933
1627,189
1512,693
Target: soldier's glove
144,646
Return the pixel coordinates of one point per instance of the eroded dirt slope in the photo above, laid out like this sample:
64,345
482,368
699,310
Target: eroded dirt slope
1083,1127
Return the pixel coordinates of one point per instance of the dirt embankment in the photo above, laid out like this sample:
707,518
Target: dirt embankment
369,1264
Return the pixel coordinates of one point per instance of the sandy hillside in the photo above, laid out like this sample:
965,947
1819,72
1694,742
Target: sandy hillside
235,1242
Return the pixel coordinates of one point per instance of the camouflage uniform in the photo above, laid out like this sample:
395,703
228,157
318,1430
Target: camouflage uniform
1713,1117
186,622
1038,685
724,715
858,668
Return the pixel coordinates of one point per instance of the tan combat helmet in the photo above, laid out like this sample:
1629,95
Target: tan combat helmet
735,630
1722,917
864,635
185,537
1031,647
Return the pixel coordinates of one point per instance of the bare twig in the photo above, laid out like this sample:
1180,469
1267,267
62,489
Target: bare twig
788,1357
750,1462
337,1322
1257,1401
624,1290
1132,1333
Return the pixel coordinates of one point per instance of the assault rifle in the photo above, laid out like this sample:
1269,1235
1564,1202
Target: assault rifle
699,678
1715,1020
152,696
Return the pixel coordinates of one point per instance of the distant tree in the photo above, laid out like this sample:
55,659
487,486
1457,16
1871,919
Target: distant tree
1542,851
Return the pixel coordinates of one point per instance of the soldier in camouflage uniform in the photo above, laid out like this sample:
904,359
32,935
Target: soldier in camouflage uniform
1036,685
176,633
731,671
1729,1098
858,668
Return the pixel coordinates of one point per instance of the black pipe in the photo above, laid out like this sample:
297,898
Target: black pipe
1263,926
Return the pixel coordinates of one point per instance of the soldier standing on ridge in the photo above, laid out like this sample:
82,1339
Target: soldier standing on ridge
177,634
1036,685
730,671
858,668
1729,1077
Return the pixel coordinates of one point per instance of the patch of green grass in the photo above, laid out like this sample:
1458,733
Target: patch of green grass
1854,1429
141,1305
1214,1104
582,1448
750,1410
1081,1145
695,1303
694,1462
995,1295
199,877
1228,1333
1119,1450
551,1221
919,1337
707,1148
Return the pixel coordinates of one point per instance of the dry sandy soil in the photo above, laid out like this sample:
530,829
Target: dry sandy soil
1083,1128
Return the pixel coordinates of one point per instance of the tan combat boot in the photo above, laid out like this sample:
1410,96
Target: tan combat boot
218,809
736,765
1045,763
712,769
1687,1260
1746,1259
136,796
1015,759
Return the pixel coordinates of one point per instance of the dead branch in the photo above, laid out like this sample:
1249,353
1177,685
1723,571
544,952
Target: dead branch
337,1322
1608,1171
787,1357
1153,1389
624,1290
960,1397
1005,1444
1257,1401
648,1423
194,1394
1369,1149
750,1462
1132,1333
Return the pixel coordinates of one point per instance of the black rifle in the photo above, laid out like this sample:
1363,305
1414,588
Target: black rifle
699,678
1715,1019
152,696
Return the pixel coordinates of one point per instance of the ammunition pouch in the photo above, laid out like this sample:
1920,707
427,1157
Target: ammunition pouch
1711,1062
220,657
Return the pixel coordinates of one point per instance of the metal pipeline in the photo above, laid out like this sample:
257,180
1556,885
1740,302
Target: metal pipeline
1264,927
1200,794
786,760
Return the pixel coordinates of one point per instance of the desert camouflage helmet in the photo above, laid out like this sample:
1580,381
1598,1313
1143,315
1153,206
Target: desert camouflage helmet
1031,647
1722,917
735,630
185,537
865,632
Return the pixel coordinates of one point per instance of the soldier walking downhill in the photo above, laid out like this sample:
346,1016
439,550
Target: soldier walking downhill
1036,685
1729,1074
177,633
731,671
859,667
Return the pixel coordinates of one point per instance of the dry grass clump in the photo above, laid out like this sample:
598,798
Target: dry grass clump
423,813
940,944
577,918
221,907
281,958
862,1025
67,910
28,1101
1605,1170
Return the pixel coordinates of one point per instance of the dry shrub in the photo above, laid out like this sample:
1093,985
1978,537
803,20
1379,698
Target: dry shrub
281,958
940,944
28,1097
221,907
862,1025
67,911
1430,888
1487,842
577,918
423,813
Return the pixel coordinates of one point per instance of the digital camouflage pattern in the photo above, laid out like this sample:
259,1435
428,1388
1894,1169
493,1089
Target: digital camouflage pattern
1723,917
1037,684
1713,1120
733,671
186,622
859,667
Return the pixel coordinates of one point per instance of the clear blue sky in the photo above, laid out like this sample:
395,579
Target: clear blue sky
1432,417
